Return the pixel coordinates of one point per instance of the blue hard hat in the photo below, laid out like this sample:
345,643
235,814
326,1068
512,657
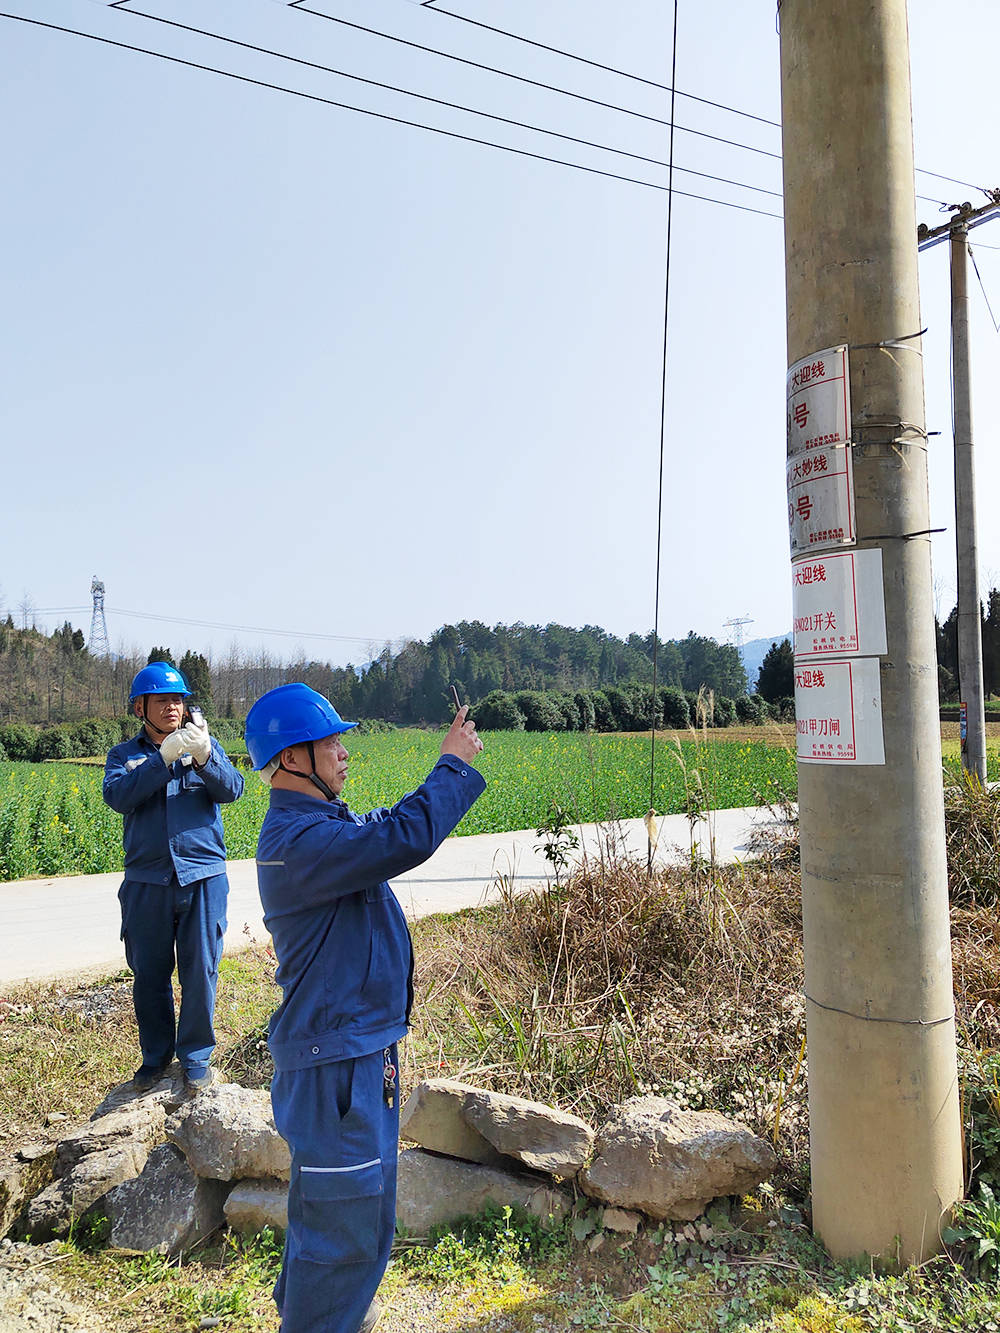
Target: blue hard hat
289,715
158,678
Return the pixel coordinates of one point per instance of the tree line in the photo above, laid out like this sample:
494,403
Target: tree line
53,678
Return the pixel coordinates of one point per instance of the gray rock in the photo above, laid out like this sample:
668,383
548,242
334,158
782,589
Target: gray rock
54,1210
20,1180
536,1135
141,1123
255,1204
621,1220
434,1118
170,1093
228,1133
433,1190
167,1208
654,1157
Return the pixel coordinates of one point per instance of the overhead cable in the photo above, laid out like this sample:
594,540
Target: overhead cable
214,624
663,429
982,285
300,8
433,8
379,115
121,7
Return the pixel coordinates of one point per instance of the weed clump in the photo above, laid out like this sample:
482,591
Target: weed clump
684,982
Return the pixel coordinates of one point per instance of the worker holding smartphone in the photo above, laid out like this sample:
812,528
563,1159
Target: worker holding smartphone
168,782
345,966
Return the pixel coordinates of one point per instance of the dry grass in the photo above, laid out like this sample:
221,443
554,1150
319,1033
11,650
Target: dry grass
686,983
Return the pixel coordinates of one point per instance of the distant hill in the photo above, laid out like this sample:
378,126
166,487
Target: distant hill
754,652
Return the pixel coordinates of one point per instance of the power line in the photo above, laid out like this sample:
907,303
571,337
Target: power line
214,624
379,115
120,6
596,64
522,78
431,7
982,286
663,430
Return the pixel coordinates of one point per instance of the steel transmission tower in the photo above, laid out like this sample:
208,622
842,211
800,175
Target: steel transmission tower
736,625
98,643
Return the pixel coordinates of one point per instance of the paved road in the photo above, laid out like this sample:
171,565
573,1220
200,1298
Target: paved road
71,925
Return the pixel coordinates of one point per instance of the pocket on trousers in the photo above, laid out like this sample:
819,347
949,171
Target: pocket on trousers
341,1208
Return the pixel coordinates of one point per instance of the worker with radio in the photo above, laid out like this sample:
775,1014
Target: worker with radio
168,782
345,966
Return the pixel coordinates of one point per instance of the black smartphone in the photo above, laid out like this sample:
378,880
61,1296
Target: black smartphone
195,715
454,695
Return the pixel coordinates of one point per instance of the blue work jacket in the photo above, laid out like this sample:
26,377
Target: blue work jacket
172,821
345,962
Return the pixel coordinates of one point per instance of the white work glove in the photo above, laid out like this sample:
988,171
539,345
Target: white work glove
174,746
199,743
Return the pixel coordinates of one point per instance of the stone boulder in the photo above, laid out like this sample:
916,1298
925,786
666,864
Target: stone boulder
59,1205
167,1208
228,1133
491,1128
434,1118
433,1191
170,1092
255,1204
656,1158
140,1123
31,1172
536,1135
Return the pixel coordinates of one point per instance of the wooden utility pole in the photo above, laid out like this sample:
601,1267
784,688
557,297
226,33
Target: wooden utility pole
883,1092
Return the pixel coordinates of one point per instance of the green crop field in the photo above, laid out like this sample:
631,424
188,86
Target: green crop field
53,820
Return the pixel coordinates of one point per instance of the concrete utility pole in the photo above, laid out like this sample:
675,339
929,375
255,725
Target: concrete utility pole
970,634
883,1093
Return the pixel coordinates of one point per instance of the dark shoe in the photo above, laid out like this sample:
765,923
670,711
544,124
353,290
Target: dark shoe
372,1317
197,1080
147,1076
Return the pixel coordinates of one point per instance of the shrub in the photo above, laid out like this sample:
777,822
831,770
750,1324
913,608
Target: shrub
95,736
617,707
53,743
604,717
585,708
228,732
19,741
676,713
751,708
640,714
3,753
567,706
373,726
723,712
540,712
498,712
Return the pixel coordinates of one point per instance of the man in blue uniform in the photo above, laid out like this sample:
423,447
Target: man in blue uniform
168,782
345,966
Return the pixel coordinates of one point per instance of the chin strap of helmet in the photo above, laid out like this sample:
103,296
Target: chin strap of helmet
151,725
313,777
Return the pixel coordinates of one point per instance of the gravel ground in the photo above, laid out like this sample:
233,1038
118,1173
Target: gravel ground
31,1301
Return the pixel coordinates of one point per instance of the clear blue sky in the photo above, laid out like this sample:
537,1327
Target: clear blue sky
270,363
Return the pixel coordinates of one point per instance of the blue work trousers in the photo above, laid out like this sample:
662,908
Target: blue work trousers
344,1141
161,923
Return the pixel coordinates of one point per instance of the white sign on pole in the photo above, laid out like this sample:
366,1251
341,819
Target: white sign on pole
838,605
838,712
819,470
